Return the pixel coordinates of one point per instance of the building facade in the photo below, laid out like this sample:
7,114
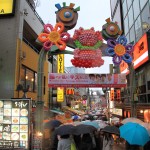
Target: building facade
19,52
134,19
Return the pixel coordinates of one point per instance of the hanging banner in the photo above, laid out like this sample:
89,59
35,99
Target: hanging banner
86,80
60,69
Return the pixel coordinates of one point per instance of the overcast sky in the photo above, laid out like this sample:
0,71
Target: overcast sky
92,14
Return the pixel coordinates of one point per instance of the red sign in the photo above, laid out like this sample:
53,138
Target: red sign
140,55
86,80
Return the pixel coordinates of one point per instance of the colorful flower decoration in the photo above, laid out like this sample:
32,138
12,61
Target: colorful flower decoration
87,39
110,30
119,50
87,54
54,36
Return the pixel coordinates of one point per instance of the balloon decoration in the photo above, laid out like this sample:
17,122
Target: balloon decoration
87,54
119,50
67,15
110,30
54,36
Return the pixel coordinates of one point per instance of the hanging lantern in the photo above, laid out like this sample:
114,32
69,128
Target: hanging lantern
70,91
112,95
118,94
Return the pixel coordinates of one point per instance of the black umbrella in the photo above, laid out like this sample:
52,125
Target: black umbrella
83,129
111,129
65,129
52,124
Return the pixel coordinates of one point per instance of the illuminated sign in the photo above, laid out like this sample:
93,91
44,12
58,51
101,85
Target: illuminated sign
60,69
140,55
7,7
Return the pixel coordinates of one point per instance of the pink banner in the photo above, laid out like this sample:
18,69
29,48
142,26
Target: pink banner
86,80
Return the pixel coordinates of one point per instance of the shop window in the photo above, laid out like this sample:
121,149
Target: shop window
142,99
148,98
148,85
29,78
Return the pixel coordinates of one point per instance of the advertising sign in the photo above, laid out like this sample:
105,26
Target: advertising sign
140,55
86,80
14,123
6,7
60,69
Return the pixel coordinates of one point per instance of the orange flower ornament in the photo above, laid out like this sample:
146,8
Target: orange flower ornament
54,36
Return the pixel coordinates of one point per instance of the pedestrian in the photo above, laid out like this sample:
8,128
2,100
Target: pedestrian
86,142
108,141
64,142
147,146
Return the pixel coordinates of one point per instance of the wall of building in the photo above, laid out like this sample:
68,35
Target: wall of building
8,42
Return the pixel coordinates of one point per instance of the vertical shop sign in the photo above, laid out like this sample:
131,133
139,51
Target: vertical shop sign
60,69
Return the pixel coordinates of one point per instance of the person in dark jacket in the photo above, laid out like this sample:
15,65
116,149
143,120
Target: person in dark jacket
147,146
132,147
86,142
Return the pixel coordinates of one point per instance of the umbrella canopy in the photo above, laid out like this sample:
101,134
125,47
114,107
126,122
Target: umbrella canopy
147,126
111,129
83,129
134,133
132,119
52,124
65,129
91,123
57,111
101,124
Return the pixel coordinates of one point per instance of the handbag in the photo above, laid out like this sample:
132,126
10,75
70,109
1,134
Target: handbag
73,146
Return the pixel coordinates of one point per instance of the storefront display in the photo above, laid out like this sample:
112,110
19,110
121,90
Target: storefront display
14,123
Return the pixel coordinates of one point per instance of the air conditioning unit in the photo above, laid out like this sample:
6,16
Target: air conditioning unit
23,55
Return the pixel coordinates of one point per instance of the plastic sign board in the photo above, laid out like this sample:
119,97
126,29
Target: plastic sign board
60,69
140,55
86,80
7,7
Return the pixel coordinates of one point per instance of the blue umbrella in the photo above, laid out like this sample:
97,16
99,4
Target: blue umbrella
134,133
91,123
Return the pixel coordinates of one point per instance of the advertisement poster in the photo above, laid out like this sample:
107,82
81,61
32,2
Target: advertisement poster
14,123
86,80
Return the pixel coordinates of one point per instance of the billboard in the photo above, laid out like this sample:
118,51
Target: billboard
7,7
86,80
140,55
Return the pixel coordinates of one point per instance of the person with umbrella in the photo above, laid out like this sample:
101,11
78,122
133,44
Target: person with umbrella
64,142
108,141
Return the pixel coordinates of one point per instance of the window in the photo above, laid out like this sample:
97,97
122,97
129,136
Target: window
129,2
28,78
142,3
130,14
136,8
145,14
138,28
126,27
124,8
132,34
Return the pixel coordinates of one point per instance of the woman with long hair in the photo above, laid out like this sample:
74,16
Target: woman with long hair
107,141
